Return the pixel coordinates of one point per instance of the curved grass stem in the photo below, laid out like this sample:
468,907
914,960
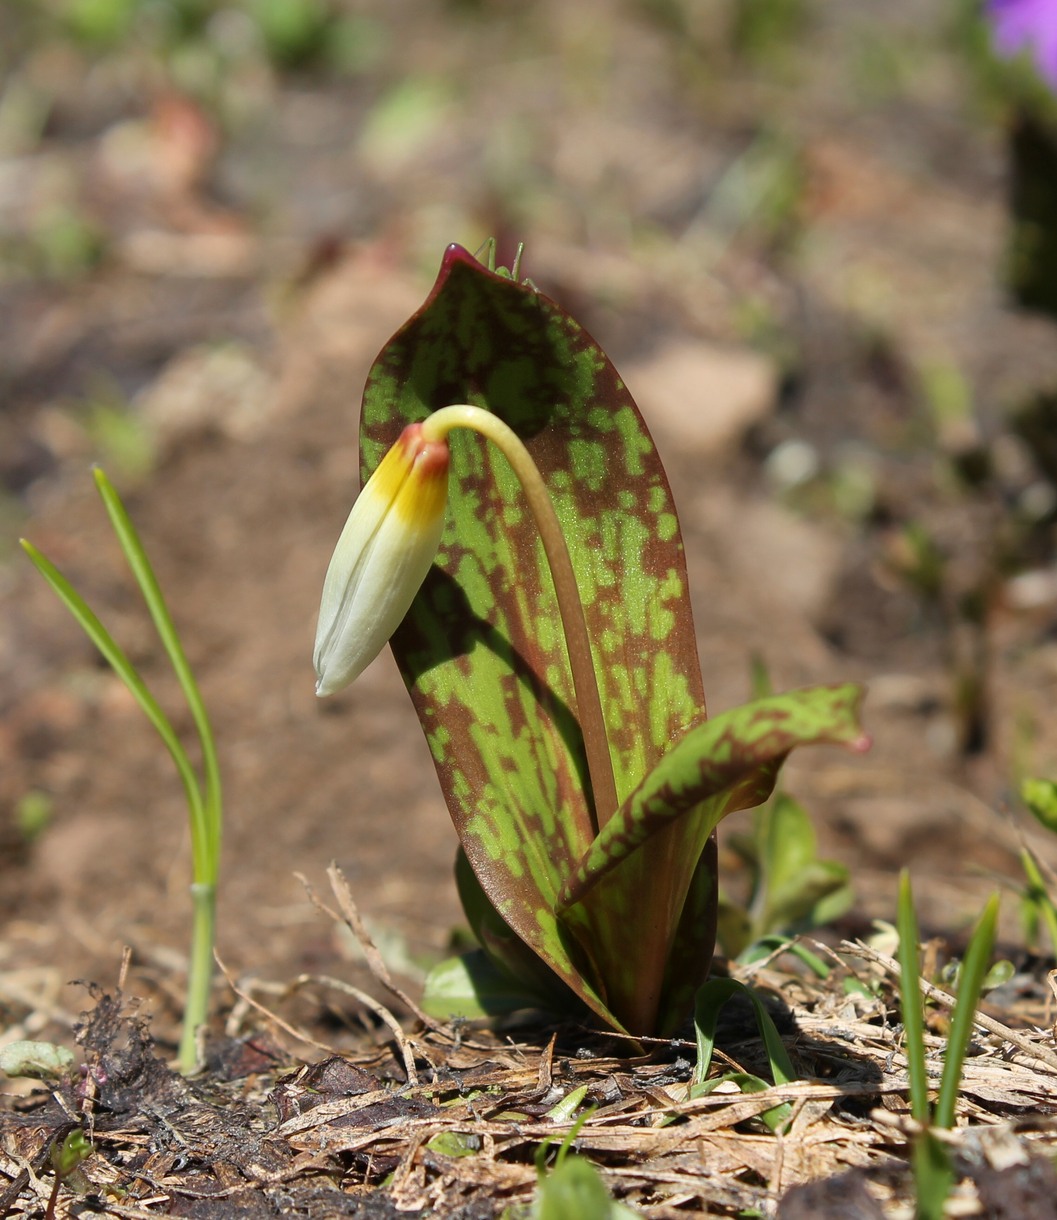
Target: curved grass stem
203,793
207,866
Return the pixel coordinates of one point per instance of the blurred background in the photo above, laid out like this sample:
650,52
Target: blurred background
817,240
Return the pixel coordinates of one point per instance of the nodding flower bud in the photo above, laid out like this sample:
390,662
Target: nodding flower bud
385,550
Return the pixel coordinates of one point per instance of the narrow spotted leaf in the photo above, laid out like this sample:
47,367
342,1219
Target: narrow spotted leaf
728,763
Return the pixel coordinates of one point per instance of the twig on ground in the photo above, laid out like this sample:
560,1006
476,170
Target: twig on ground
352,919
378,1009
375,962
891,967
285,1026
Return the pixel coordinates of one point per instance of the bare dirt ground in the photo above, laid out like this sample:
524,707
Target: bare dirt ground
795,262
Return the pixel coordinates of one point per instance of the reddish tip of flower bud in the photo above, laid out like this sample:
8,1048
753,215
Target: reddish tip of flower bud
430,458
382,557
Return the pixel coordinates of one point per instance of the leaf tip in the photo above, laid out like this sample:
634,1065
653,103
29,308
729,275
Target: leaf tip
454,254
31,551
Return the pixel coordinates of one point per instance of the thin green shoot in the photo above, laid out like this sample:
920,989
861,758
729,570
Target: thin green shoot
1037,896
970,988
65,1158
567,1141
933,1170
933,1174
203,794
573,1189
167,633
913,1003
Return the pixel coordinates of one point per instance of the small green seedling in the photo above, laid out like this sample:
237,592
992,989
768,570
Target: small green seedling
792,890
573,1188
710,1000
933,1169
66,1158
202,792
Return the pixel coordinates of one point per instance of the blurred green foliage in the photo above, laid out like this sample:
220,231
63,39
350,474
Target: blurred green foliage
790,890
762,28
1037,907
119,437
290,35
33,813
1040,796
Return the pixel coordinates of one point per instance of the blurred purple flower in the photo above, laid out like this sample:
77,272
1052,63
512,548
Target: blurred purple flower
1027,25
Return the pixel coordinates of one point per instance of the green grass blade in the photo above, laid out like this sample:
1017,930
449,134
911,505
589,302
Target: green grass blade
207,864
913,1013
127,672
973,973
710,1000
768,945
775,1118
933,1175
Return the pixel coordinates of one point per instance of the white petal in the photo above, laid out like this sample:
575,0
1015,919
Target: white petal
385,550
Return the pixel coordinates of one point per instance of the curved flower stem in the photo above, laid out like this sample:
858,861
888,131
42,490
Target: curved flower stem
577,641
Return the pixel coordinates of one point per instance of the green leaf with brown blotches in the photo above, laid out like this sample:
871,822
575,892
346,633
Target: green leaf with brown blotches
728,763
482,649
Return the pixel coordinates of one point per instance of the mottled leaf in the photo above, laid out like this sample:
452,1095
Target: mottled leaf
505,948
482,650
731,759
726,764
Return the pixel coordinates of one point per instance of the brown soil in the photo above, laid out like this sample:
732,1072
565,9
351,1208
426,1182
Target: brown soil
237,309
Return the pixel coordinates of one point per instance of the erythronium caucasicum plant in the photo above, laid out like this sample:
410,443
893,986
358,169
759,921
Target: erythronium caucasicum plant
516,538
